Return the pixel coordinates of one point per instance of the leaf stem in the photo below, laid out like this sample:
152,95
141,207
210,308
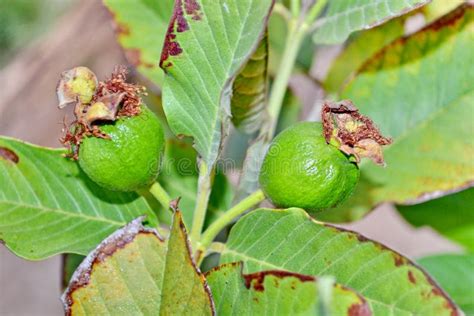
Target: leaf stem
295,7
160,194
204,191
315,11
237,210
280,9
298,28
295,36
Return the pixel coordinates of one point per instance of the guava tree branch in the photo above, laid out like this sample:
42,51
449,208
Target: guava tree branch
298,29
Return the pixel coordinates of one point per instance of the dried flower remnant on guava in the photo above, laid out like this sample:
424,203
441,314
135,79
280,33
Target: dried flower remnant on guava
351,132
95,102
76,85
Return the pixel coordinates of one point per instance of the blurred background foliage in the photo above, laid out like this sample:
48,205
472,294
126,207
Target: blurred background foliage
24,23
21,21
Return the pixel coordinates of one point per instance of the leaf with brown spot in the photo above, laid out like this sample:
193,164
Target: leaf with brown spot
207,44
454,273
362,45
135,271
359,47
278,292
141,27
291,240
9,155
419,92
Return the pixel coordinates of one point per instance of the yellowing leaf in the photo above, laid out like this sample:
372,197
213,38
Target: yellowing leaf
134,271
419,91
291,240
280,293
141,26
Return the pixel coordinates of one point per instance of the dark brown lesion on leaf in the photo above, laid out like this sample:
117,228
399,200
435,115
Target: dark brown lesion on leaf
353,133
257,279
404,263
9,155
450,19
448,304
399,260
109,100
411,277
178,23
361,309
121,28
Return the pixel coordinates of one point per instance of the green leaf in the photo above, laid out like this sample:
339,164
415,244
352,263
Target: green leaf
141,27
358,50
454,273
70,262
49,206
134,271
291,240
249,91
419,91
452,216
438,8
278,293
208,42
362,45
346,16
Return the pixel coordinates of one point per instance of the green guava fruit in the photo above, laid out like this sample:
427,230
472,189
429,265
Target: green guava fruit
302,170
130,159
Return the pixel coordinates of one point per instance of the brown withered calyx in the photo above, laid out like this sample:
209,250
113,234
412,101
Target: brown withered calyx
352,132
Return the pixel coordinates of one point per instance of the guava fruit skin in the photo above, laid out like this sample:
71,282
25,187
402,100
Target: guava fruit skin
302,170
131,159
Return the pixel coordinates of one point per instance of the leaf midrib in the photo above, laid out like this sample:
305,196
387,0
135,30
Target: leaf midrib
62,212
229,76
